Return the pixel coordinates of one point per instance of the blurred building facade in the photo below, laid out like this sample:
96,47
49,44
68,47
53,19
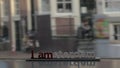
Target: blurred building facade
46,18
108,13
16,16
111,12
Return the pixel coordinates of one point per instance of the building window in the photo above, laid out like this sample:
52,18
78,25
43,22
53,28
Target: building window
17,7
112,5
64,6
6,6
5,32
116,32
90,4
45,5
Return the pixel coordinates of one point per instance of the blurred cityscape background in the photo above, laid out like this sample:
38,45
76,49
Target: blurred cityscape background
87,26
61,25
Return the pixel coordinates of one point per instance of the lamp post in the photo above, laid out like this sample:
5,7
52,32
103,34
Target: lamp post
34,22
34,15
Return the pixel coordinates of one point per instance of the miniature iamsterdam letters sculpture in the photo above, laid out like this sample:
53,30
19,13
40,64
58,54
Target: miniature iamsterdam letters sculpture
51,55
